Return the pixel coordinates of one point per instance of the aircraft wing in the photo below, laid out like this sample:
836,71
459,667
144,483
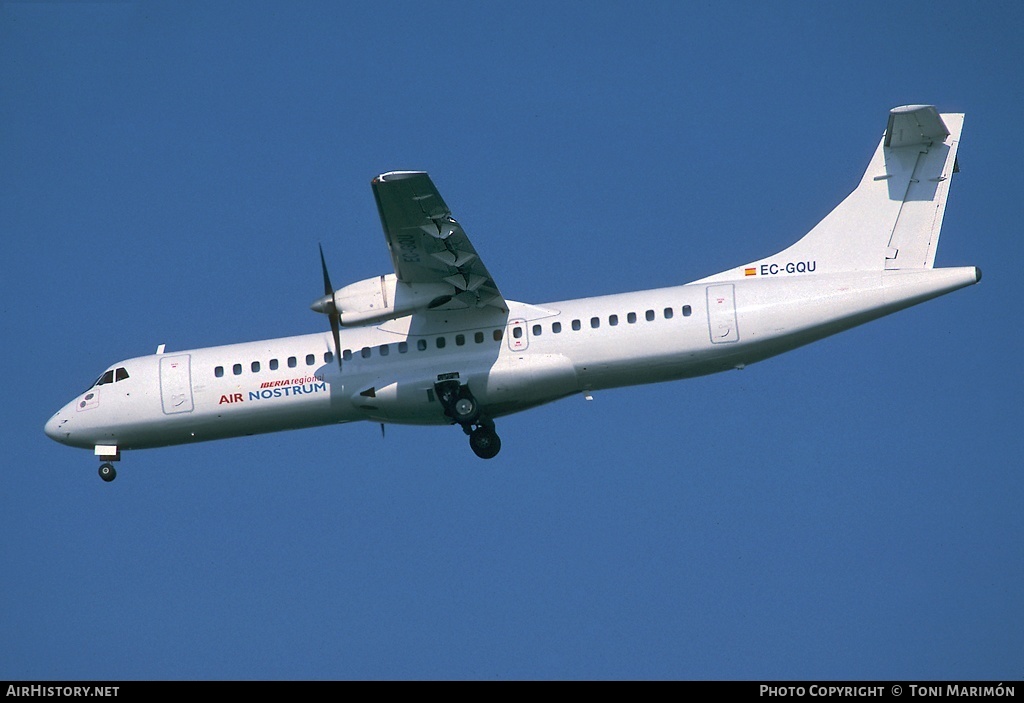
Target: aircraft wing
427,245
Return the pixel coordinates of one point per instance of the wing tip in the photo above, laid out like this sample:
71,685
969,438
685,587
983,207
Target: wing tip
912,108
397,176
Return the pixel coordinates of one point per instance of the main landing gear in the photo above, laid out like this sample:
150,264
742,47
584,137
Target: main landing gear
464,409
485,442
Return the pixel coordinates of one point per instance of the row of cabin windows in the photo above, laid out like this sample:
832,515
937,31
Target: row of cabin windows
274,364
613,321
421,345
460,340
365,352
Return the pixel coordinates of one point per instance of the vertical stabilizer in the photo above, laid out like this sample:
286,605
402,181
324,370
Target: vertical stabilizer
892,219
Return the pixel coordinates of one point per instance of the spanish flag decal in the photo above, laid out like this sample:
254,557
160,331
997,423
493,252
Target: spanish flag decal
750,272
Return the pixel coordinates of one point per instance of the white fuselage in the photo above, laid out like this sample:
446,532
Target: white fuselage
436,342
532,355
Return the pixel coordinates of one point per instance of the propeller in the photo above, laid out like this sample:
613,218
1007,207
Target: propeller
326,306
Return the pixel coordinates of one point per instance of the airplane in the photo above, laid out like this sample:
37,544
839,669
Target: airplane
437,343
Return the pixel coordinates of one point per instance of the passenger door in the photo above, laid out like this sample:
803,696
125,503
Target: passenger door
176,384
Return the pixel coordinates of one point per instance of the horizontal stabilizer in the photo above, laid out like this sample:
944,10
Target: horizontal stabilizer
911,125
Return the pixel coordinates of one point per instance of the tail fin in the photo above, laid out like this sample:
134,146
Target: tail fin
892,219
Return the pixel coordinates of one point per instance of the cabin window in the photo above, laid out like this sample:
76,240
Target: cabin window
613,320
237,369
460,339
421,344
517,332
403,347
328,357
668,313
292,362
310,359
595,322
650,315
497,335
556,327
273,364
365,352
384,350
631,318
536,330
219,372
347,355
576,325
440,342
478,337
687,311
255,366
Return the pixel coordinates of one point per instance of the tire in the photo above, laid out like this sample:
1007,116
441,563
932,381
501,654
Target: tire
485,442
465,410
107,472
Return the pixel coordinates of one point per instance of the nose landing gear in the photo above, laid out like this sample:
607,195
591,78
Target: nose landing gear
464,409
107,453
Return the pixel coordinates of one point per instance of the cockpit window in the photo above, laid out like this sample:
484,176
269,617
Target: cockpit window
118,374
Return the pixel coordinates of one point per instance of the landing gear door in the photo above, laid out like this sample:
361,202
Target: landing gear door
176,384
518,337
722,314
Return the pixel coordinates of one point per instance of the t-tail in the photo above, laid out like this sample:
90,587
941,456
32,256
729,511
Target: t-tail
891,221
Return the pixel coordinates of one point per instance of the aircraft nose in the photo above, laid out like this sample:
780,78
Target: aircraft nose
54,427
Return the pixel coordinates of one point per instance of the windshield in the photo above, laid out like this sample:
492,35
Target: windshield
111,376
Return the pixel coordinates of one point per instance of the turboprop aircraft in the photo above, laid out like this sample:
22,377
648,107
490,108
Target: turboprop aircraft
437,343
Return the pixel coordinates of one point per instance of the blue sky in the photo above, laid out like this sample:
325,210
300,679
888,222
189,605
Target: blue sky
848,510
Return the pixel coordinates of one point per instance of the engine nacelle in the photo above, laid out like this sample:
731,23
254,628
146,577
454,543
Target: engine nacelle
386,298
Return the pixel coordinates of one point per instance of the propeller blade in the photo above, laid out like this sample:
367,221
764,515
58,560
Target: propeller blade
326,305
337,337
328,289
